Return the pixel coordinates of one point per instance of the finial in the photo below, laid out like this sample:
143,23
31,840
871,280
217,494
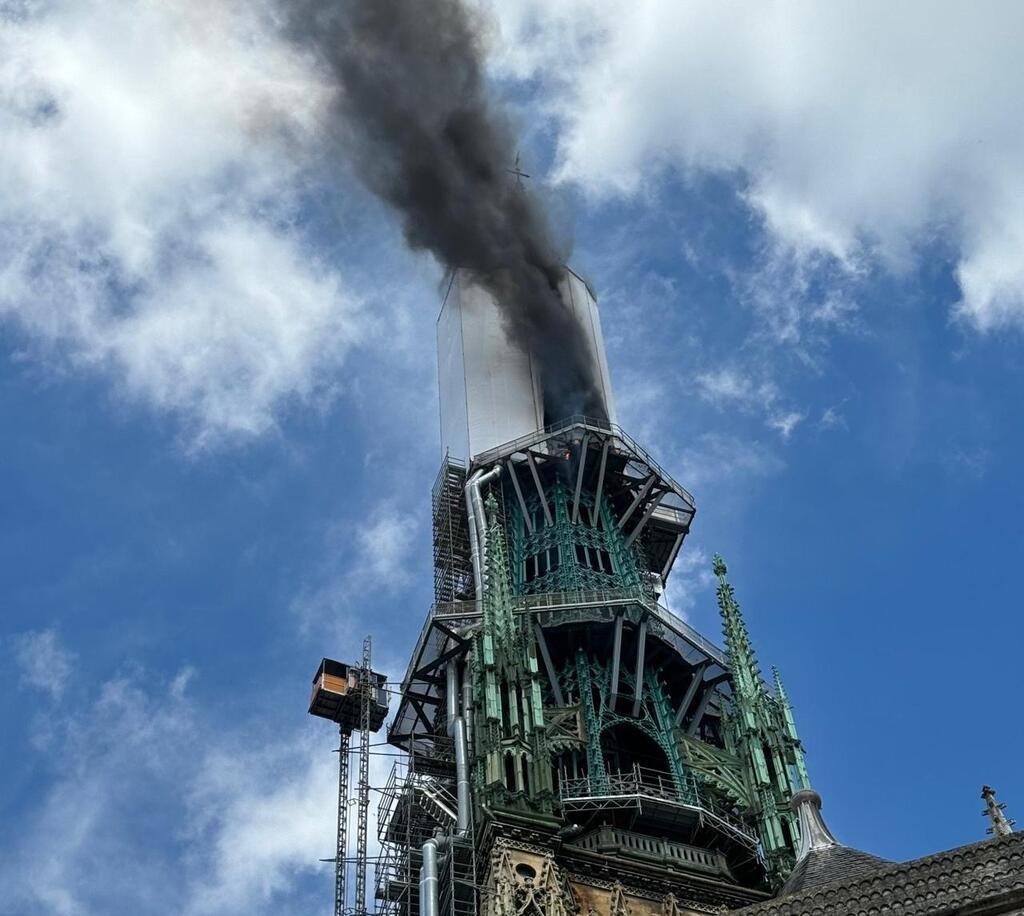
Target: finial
718,565
780,691
814,832
1001,824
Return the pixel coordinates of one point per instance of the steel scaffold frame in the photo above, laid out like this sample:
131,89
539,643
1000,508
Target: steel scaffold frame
362,823
341,851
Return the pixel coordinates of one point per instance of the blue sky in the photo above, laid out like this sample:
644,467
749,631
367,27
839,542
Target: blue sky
220,425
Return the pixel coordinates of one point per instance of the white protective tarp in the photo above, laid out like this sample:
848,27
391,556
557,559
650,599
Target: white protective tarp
489,389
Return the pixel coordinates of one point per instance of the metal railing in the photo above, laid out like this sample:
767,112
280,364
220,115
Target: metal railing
593,425
645,782
612,597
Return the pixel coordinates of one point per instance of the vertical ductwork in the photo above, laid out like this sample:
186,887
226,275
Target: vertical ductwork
452,694
457,730
478,526
474,538
467,707
428,878
462,794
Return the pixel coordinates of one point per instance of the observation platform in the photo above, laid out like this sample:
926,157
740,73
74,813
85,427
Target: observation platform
657,797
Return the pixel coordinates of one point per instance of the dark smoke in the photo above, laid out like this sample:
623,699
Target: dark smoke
429,140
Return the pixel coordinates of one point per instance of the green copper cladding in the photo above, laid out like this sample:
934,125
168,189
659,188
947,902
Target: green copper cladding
763,733
512,768
551,553
587,703
803,780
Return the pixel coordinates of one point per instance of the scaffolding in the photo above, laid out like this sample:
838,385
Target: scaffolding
351,696
341,849
418,803
363,796
453,570
457,887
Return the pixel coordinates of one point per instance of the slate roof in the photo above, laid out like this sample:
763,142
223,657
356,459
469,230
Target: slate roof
824,866
983,878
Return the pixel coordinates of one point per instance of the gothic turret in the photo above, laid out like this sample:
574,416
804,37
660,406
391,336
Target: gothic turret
763,732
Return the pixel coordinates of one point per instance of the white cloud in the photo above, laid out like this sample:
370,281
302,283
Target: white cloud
151,166
729,384
378,552
161,809
713,458
785,423
691,579
43,661
863,132
831,418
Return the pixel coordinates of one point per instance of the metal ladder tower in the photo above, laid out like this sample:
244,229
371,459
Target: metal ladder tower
341,852
351,696
366,683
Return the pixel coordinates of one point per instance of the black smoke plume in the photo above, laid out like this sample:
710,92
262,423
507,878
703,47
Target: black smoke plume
428,139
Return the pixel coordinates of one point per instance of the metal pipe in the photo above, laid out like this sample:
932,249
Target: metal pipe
452,693
467,707
474,541
462,788
477,516
428,878
457,729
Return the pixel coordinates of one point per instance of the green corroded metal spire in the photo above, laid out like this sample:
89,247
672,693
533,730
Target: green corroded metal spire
498,588
742,660
760,734
803,779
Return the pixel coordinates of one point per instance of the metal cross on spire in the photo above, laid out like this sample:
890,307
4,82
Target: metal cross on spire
1001,824
517,171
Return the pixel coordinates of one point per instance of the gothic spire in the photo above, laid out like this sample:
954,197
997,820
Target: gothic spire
742,660
803,779
498,591
1001,824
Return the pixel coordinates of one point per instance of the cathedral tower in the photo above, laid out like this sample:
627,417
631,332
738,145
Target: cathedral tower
572,746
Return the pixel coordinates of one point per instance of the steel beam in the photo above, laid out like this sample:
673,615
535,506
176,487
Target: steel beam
519,495
641,647
540,489
599,492
639,498
672,554
645,517
579,477
702,706
548,666
420,714
442,659
691,692
616,654
451,634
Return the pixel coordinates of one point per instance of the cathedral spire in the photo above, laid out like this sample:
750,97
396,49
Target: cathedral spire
1001,824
